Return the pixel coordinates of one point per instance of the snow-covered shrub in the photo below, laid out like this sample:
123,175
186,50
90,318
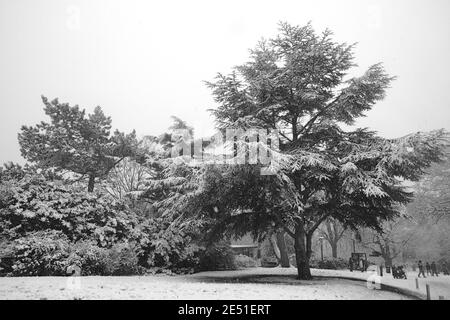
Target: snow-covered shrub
122,260
242,261
40,253
217,257
91,259
49,253
329,263
35,204
269,262
91,222
164,245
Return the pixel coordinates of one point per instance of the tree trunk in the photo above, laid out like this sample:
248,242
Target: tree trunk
276,250
387,257
333,234
301,254
334,249
91,183
388,262
284,257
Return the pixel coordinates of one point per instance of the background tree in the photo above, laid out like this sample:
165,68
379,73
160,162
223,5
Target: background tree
332,231
177,131
391,242
143,182
432,193
77,143
127,181
429,216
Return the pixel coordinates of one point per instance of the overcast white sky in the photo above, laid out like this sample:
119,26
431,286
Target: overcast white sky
143,61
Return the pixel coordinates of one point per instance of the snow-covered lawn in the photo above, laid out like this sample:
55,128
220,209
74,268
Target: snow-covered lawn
249,284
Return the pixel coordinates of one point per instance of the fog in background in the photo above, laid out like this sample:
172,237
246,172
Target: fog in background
143,61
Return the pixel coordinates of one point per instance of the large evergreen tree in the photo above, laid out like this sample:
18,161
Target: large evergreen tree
295,83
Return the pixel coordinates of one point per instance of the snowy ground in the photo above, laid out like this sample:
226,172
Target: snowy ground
439,286
249,284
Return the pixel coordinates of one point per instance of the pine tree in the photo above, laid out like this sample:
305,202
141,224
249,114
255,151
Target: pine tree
76,143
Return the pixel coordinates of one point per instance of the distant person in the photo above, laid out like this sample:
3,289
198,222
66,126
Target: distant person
444,268
421,269
434,269
428,267
350,264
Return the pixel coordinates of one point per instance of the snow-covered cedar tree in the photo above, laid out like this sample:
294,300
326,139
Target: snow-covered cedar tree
296,83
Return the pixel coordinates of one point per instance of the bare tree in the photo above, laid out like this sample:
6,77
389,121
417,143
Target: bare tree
390,242
332,231
127,181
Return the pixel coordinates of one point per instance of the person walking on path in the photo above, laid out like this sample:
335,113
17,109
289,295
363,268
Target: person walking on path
444,268
434,269
428,267
421,271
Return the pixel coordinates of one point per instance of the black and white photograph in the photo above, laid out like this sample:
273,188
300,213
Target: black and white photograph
237,152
